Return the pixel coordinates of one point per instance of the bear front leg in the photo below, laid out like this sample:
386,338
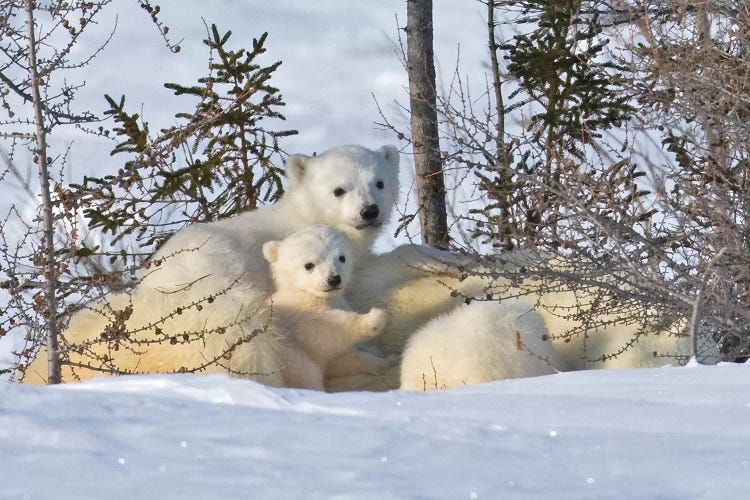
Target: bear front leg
333,332
301,372
349,327
356,362
408,262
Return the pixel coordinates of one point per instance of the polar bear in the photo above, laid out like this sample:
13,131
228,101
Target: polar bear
481,342
194,302
587,330
313,321
597,322
201,296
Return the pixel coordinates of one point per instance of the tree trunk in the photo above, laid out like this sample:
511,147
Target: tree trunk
712,124
424,123
53,354
502,162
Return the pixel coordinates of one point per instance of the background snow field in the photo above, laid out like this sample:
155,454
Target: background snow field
657,433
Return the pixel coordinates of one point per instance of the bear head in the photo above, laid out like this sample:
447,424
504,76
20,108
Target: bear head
346,186
317,260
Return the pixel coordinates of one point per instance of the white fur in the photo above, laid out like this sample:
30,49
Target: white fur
213,278
633,342
478,343
314,322
414,302
222,263
230,249
414,284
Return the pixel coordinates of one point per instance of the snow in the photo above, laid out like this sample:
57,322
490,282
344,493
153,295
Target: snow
656,433
667,433
338,56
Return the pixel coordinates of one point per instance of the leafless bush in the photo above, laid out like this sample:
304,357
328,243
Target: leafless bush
611,138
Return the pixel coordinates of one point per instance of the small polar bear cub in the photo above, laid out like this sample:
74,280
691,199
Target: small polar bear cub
481,342
315,324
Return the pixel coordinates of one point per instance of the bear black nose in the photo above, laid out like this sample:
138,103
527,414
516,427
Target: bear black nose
334,281
370,212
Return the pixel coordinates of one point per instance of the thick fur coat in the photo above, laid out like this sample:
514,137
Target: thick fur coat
315,326
200,303
489,341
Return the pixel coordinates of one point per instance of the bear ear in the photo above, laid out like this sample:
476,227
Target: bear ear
391,155
296,168
271,251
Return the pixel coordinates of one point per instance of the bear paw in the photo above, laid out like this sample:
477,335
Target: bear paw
374,321
375,366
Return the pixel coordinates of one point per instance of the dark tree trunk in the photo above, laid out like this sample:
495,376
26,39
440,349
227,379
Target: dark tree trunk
502,161
424,123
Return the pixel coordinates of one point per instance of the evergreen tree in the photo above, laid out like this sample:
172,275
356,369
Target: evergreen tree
219,160
572,93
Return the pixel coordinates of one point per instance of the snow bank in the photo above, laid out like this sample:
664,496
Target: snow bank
660,433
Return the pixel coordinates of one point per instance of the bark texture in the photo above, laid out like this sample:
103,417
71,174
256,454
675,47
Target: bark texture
424,124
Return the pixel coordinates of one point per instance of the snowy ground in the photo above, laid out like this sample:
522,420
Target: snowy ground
670,433
666,433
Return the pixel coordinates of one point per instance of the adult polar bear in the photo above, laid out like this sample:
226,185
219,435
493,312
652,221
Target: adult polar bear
590,326
200,299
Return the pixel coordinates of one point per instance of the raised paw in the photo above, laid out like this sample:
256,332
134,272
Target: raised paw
375,321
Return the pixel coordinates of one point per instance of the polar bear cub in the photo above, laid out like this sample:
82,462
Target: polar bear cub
315,324
481,342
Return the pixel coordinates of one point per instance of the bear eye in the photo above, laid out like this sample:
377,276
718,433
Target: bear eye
309,266
342,259
379,185
338,192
